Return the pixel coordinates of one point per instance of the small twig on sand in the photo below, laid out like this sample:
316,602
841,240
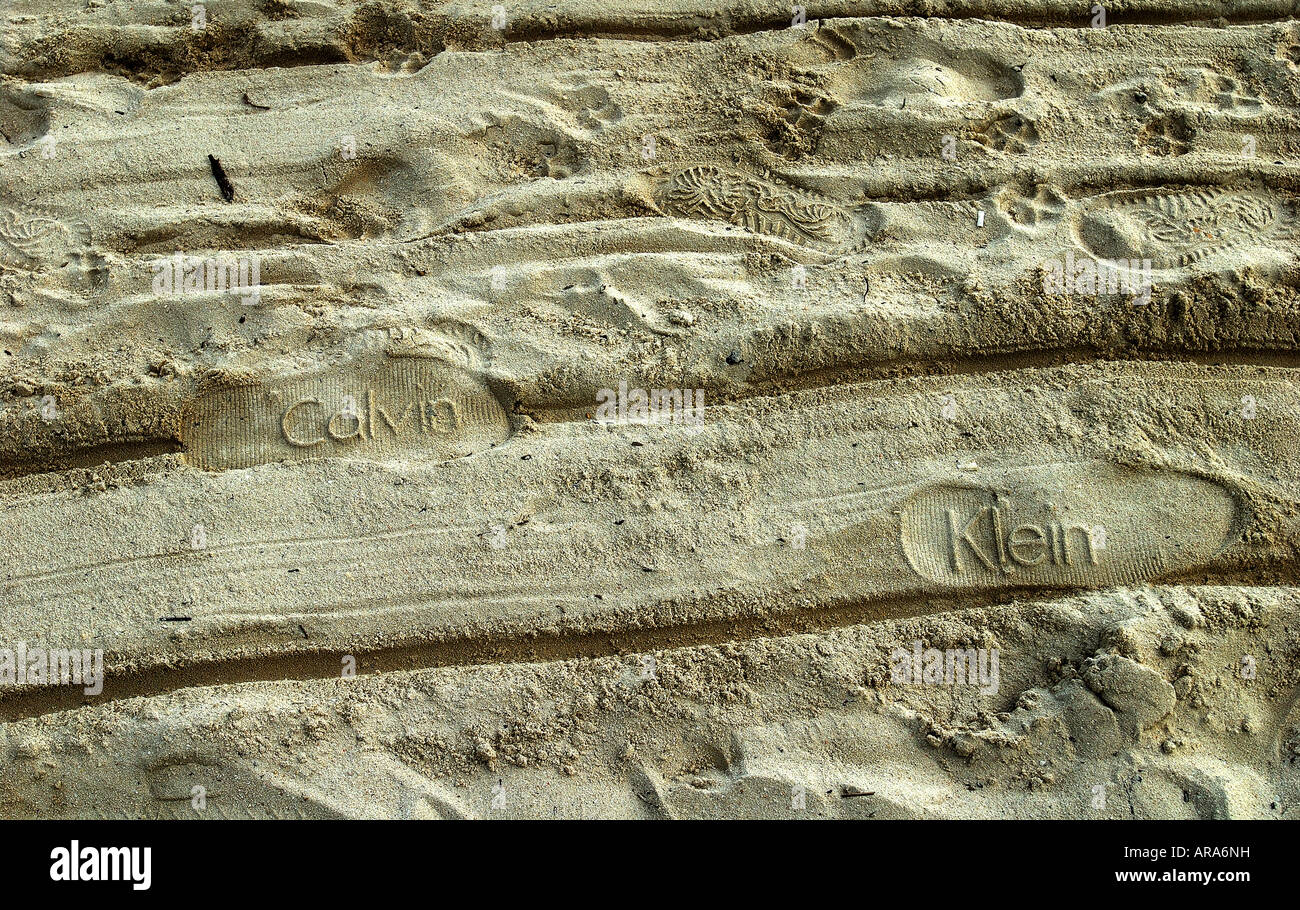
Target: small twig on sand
227,188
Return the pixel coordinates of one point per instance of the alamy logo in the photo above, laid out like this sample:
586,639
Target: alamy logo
179,276
1089,278
22,666
76,863
950,667
681,406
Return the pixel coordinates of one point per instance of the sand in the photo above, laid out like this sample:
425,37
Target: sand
970,330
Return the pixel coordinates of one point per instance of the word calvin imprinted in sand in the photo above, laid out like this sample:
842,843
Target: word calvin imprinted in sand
680,406
375,408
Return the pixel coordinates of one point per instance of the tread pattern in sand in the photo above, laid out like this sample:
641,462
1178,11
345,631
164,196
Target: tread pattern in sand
755,204
1175,228
401,405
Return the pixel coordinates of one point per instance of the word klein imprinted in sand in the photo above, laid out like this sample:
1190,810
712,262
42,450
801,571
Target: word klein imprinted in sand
1085,524
395,406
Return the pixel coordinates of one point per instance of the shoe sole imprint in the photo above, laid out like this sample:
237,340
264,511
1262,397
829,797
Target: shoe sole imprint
381,408
1176,228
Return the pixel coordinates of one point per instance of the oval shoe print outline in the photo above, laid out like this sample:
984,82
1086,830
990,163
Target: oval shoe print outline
378,408
1175,228
1089,524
